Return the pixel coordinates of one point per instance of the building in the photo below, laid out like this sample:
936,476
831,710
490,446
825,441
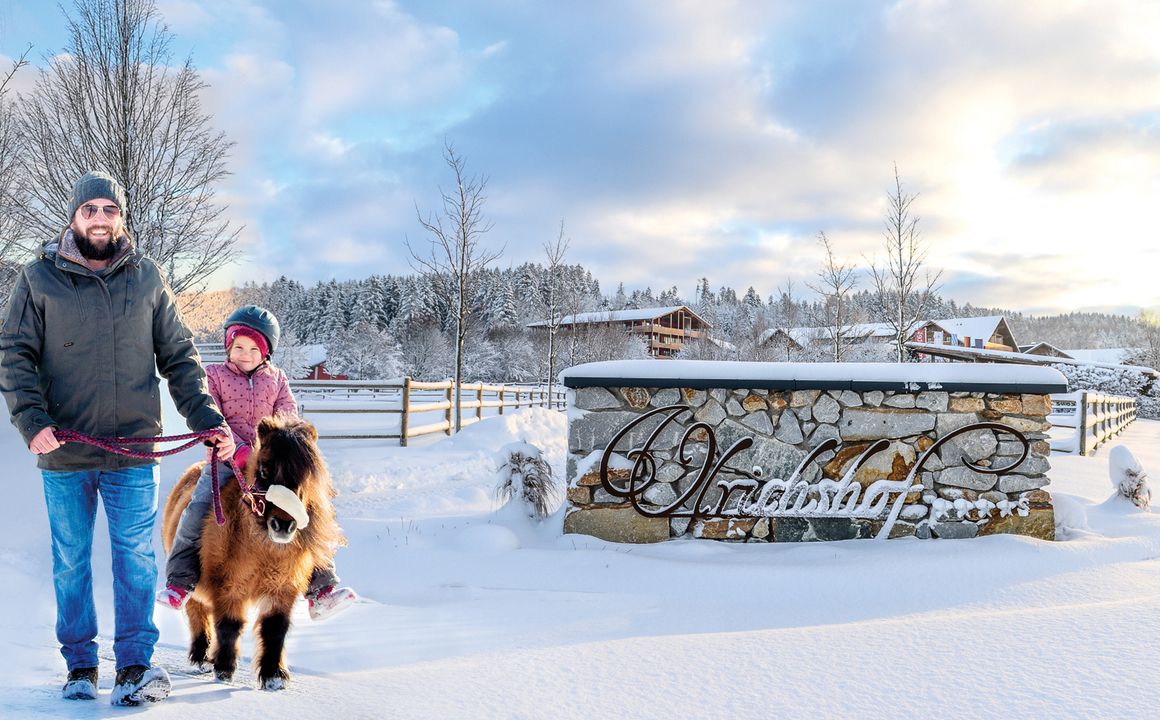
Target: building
665,328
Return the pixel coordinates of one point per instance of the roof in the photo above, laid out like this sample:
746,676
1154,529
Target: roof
973,327
610,316
1004,356
857,331
902,377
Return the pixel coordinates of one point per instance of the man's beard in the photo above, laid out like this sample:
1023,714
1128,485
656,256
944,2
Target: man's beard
93,252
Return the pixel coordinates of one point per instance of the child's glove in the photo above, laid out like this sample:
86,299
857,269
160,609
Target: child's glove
240,456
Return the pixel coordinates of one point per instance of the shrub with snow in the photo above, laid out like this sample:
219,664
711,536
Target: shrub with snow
524,473
1128,477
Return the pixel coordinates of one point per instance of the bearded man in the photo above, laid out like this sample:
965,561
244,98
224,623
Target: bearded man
90,324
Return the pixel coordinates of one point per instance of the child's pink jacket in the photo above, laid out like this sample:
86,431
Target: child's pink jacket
244,400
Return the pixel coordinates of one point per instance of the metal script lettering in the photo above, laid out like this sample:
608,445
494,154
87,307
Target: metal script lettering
744,494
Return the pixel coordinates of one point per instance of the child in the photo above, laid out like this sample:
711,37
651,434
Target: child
247,387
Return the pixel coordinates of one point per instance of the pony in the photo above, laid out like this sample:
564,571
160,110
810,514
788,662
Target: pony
265,552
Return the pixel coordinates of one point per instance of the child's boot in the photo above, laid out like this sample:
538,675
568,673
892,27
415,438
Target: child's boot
173,596
330,601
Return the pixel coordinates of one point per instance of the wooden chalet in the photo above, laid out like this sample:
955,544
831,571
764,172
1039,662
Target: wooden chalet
666,328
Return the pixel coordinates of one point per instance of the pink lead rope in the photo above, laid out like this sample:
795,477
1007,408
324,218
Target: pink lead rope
120,446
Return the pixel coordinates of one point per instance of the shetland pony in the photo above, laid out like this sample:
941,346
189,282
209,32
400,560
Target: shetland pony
259,560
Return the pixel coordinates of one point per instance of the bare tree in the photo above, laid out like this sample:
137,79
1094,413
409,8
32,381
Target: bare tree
10,247
113,101
553,296
455,253
903,290
836,314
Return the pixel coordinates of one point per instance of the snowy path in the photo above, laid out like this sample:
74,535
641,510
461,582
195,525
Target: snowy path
478,614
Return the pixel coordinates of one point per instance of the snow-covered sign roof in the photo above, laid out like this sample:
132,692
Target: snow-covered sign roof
815,376
608,316
1003,356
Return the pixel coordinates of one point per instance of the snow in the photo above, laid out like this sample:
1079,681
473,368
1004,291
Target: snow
474,611
804,375
607,316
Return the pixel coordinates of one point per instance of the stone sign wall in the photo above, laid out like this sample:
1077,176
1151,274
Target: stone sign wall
954,493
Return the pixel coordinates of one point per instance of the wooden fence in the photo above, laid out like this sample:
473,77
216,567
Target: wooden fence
1096,418
409,398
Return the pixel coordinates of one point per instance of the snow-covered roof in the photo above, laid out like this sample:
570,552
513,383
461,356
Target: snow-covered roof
804,335
821,376
1003,356
607,316
1104,355
972,327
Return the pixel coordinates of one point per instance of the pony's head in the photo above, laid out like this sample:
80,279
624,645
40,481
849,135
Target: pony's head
287,466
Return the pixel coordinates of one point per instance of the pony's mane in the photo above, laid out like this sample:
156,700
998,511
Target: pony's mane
293,442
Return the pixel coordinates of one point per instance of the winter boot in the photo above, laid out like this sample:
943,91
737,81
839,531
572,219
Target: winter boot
330,601
81,685
138,684
172,596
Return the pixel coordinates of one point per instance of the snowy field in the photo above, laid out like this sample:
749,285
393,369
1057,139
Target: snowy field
471,611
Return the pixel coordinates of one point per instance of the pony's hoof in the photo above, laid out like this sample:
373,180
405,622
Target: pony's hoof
200,668
274,683
223,675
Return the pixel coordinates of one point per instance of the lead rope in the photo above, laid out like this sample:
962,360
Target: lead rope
120,446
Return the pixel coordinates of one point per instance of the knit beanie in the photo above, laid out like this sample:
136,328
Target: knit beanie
233,331
93,185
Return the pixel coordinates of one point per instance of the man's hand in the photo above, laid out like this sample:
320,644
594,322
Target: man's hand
223,445
44,442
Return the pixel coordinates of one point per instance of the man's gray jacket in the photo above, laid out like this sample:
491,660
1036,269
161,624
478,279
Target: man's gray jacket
81,350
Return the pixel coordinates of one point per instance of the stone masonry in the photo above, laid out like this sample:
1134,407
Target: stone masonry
955,502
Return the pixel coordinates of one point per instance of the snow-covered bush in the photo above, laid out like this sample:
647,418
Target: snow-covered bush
524,474
1128,477
1115,381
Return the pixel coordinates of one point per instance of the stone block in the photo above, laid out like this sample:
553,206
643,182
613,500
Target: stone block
1019,483
734,407
964,477
595,398
622,525
1006,404
871,424
693,396
827,409
724,528
754,403
665,397
1039,523
902,400
873,398
580,495
789,431
759,421
892,463
849,398
955,530
1036,405
637,398
965,405
933,401
804,398
711,412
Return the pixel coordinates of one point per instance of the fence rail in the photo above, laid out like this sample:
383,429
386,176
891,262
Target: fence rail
1096,418
409,398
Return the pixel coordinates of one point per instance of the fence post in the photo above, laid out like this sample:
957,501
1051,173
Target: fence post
479,401
405,418
501,391
1081,425
451,397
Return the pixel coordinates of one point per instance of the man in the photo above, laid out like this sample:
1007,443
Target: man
89,323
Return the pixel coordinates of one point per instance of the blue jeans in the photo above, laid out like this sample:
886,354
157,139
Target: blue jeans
129,497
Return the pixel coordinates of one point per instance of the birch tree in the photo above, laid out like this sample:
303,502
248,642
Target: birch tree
455,254
836,314
904,289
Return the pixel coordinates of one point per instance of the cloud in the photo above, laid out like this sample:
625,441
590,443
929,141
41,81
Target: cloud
691,139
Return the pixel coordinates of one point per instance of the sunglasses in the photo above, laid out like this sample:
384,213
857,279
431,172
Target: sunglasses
88,212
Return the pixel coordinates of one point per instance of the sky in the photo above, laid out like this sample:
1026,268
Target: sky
474,611
679,140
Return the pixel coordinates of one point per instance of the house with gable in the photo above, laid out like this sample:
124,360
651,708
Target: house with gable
666,329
